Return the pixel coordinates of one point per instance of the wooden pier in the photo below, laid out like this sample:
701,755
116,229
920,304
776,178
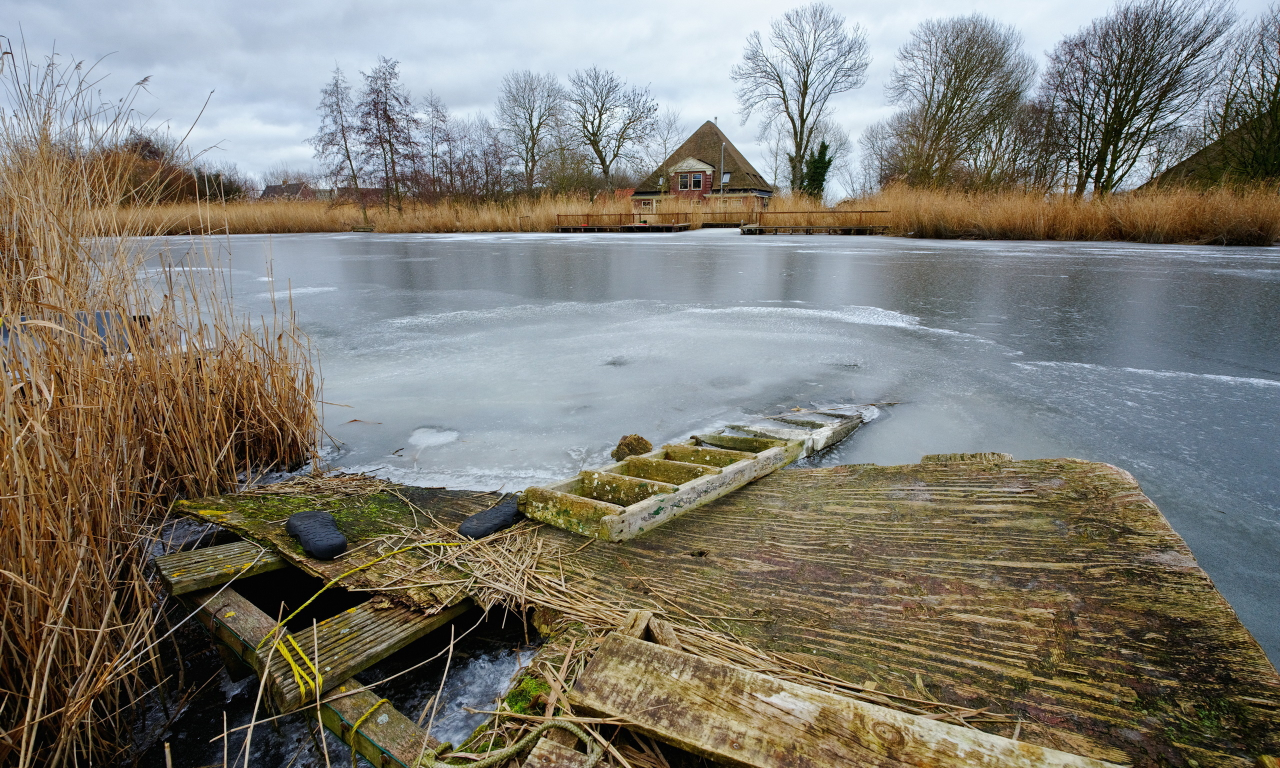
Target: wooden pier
1046,605
622,222
818,223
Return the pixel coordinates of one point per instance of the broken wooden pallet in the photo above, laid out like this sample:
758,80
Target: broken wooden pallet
745,718
623,500
385,737
336,649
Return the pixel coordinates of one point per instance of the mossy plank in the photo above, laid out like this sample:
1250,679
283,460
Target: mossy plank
741,718
551,754
662,470
184,572
386,737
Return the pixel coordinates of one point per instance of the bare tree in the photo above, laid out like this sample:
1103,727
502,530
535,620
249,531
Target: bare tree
528,109
388,128
958,80
1129,78
336,143
669,132
610,118
810,58
1244,111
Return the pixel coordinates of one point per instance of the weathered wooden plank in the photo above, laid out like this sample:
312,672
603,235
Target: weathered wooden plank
184,572
566,510
747,719
551,754
385,738
636,624
352,641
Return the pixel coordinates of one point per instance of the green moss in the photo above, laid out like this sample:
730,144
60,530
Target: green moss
520,699
358,518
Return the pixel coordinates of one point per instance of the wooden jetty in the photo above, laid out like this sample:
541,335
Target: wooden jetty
818,223
622,222
966,610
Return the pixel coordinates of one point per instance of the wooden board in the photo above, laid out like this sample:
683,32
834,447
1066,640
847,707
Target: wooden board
386,738
742,718
354,640
184,572
551,754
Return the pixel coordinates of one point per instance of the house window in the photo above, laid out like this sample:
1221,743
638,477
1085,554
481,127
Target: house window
724,178
646,204
697,181
684,181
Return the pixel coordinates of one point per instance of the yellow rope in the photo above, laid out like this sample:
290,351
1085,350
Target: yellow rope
300,676
336,579
355,729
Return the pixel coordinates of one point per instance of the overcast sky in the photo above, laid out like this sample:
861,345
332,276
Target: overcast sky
265,61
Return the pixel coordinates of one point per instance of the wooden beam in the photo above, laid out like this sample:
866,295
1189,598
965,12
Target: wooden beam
386,738
184,572
745,718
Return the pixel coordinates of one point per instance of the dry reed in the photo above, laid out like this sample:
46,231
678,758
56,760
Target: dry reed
102,427
1220,216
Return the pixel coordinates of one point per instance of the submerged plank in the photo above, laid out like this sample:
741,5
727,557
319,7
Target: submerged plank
747,719
551,754
184,572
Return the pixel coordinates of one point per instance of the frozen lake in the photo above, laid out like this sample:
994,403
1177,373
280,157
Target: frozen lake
487,361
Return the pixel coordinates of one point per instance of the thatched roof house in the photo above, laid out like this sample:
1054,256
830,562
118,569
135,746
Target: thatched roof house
705,167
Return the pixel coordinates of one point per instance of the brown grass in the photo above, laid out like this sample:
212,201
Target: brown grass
99,434
1222,216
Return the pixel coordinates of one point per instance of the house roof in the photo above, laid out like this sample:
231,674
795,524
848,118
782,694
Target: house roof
704,146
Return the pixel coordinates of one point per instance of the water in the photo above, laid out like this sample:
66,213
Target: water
499,361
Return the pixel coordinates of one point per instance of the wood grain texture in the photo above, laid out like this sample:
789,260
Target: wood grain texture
742,718
184,572
344,645
1050,590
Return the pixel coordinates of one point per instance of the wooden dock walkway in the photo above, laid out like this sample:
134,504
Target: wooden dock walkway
622,222
1050,594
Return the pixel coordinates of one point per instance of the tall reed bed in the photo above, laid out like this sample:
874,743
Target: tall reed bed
1220,216
121,387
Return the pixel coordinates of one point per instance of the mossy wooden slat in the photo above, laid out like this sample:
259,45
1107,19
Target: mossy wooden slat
352,641
661,470
743,718
697,454
184,572
550,754
386,738
738,443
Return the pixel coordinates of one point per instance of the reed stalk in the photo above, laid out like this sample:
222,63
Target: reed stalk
125,382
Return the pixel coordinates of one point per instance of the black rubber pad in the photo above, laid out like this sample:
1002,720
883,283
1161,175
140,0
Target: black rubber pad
503,515
318,533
